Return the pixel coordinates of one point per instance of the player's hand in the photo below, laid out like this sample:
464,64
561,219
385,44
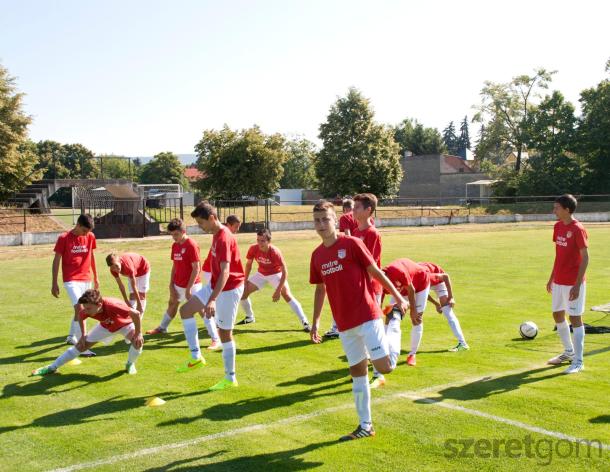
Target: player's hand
55,290
439,308
574,292
549,286
140,309
187,294
138,341
96,284
81,345
210,309
276,295
416,317
315,337
451,302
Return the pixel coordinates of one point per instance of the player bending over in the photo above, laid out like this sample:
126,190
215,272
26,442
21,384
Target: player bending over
115,317
233,223
342,267
137,271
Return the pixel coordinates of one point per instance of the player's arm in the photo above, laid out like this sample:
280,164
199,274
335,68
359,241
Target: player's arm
81,344
172,290
280,286
318,303
96,282
55,274
376,273
195,269
121,287
447,280
575,290
137,339
248,268
136,294
436,304
210,307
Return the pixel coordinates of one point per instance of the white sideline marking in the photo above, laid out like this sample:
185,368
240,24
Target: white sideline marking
411,395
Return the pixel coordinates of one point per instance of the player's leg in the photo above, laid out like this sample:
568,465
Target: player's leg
189,324
254,283
128,333
294,304
417,331
175,296
575,310
227,305
142,285
75,290
454,324
210,324
560,295
96,334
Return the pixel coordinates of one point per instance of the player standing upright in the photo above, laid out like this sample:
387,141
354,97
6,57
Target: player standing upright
567,282
137,270
74,250
233,223
342,265
219,299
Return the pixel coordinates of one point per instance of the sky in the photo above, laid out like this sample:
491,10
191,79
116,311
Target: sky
136,78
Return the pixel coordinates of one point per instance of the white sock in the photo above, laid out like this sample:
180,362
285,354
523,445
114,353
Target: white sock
247,306
394,335
210,325
579,342
75,330
563,329
67,356
454,323
228,358
416,334
165,321
298,310
333,327
143,307
133,355
362,399
192,336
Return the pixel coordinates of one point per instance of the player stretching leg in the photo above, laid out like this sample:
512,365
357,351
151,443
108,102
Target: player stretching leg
137,270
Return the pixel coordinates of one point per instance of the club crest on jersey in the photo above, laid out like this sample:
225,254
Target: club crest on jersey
569,234
183,250
341,253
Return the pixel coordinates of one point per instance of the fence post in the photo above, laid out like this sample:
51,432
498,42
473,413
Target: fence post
25,221
143,217
181,209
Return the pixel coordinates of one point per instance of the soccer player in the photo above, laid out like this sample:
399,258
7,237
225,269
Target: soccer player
347,222
219,299
413,280
115,317
271,270
185,279
74,250
440,282
567,282
137,270
233,223
342,267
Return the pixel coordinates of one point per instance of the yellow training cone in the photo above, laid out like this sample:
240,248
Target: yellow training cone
155,401
75,361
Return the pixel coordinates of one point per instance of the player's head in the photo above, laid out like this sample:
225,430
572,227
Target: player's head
84,224
114,262
564,205
365,205
233,223
91,301
263,238
325,219
205,215
177,229
348,205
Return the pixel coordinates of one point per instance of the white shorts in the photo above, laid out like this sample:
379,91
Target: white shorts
260,280
440,290
227,304
421,299
561,299
99,333
369,336
142,283
207,276
75,290
182,291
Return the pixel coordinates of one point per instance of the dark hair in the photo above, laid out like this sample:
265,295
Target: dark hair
204,210
264,232
348,203
91,296
86,221
324,205
567,201
368,200
176,224
232,220
109,258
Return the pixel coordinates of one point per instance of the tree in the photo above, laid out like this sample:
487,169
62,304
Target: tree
463,141
66,161
17,157
299,169
117,167
358,155
450,139
163,168
415,138
505,108
240,164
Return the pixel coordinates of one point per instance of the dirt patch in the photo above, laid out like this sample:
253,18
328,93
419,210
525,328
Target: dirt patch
13,221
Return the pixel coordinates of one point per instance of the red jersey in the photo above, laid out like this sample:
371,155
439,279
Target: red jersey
133,265
269,262
372,240
183,255
115,314
403,272
207,264
342,269
347,221
432,270
569,240
224,249
76,253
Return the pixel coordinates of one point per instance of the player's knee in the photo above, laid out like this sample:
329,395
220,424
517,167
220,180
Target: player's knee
384,367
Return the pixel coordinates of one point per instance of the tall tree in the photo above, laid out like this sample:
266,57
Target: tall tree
66,161
505,108
450,139
413,137
299,169
163,168
17,157
463,141
117,167
238,164
358,155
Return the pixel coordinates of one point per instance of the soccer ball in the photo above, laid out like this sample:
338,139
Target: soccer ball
528,330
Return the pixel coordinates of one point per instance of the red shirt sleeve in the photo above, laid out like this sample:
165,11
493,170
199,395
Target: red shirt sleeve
343,223
361,253
315,277
93,240
374,245
276,257
251,252
555,233
223,251
192,252
60,245
118,309
82,315
127,267
581,238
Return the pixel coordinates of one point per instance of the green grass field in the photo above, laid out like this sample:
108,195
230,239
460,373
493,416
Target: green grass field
294,398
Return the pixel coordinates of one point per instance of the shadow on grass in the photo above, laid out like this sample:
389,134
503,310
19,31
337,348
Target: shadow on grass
275,347
273,461
53,384
43,342
600,419
318,378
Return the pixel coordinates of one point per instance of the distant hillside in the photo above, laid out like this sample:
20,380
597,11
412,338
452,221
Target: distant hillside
186,159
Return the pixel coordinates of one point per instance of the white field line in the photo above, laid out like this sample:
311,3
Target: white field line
412,395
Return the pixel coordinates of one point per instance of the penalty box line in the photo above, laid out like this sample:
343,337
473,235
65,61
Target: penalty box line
416,395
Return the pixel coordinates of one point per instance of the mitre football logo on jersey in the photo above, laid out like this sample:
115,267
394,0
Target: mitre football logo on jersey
341,253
